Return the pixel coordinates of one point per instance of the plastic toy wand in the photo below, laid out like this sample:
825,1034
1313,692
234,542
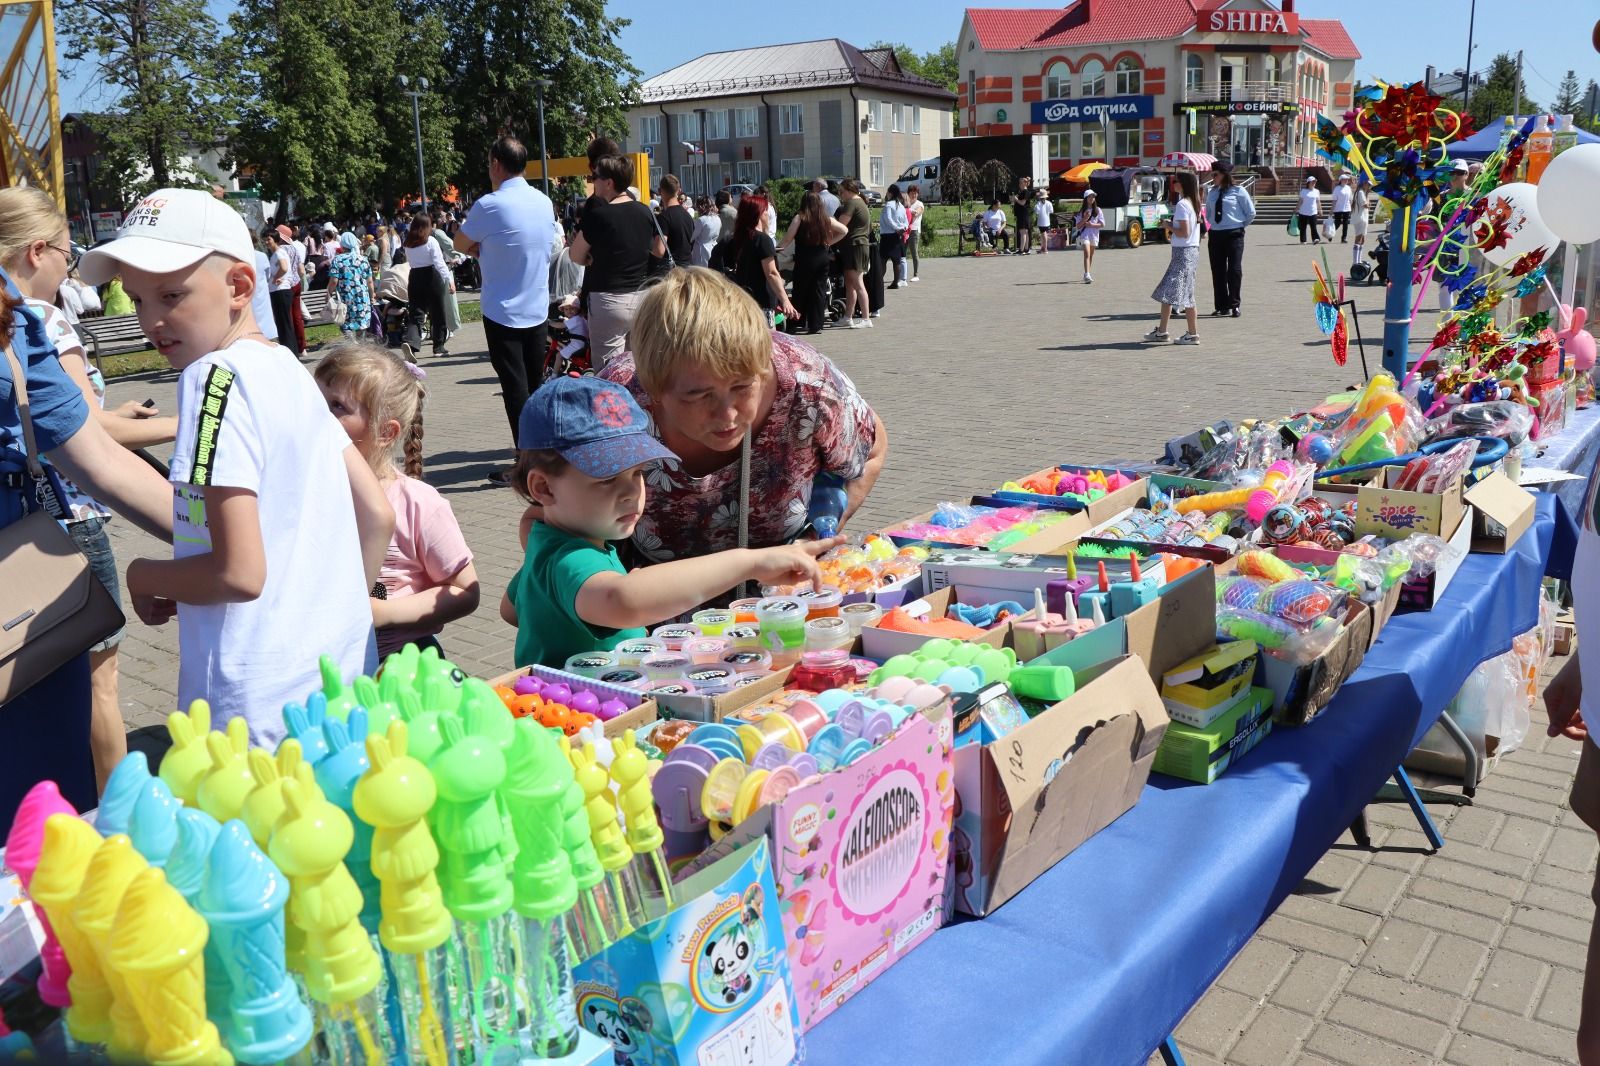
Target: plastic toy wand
609,843
597,921
630,769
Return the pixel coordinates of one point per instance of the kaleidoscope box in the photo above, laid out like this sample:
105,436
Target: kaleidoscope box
859,855
1203,755
708,982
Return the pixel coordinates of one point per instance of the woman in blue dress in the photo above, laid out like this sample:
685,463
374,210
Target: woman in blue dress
350,277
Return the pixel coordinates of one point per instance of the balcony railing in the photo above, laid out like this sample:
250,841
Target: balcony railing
1205,91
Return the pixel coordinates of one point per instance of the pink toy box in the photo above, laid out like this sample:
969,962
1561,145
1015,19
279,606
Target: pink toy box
859,855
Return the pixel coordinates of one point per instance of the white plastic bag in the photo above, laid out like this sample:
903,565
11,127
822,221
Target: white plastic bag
1327,229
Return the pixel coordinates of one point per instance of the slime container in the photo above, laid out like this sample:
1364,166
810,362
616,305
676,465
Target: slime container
713,623
821,670
822,603
749,660
749,677
665,666
827,632
744,635
712,680
631,652
670,687
706,651
670,733
590,664
860,615
675,633
625,676
721,790
744,610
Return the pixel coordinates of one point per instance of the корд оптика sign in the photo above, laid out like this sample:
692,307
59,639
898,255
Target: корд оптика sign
1115,109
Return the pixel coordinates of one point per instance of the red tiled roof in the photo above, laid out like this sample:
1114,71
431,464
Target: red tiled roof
1082,22
1329,37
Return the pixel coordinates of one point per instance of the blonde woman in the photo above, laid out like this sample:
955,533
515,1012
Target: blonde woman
36,251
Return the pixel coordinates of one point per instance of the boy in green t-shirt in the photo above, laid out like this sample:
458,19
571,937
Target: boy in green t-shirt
583,447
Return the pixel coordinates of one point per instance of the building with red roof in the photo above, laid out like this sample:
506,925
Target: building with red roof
1126,83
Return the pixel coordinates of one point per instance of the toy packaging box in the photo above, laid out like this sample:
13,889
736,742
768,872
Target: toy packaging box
859,856
706,984
1205,754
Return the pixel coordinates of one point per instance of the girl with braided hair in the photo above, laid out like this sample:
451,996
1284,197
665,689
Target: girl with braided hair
427,578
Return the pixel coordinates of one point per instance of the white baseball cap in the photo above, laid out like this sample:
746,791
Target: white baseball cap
167,231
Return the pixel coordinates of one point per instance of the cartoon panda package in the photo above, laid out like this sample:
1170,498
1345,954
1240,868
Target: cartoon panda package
707,982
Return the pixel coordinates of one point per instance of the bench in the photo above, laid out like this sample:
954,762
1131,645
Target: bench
121,334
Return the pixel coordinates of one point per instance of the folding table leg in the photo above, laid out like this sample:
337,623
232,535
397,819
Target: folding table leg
1359,830
1409,791
1170,1053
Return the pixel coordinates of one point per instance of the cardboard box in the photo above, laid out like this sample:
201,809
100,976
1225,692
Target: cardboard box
1420,594
1299,693
1201,690
1204,754
1028,800
862,853
1397,513
1058,520
880,644
1058,537
715,708
1504,511
989,577
708,982
638,718
1566,633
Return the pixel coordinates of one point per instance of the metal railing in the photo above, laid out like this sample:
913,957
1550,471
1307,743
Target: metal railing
1273,91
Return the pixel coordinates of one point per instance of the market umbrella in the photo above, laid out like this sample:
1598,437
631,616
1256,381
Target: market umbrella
1082,171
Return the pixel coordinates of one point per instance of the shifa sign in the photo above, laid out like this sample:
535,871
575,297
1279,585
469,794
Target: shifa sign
1226,20
1113,108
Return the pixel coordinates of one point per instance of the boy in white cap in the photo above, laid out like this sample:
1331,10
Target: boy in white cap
279,527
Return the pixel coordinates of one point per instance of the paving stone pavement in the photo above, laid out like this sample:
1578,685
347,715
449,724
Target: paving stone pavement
986,369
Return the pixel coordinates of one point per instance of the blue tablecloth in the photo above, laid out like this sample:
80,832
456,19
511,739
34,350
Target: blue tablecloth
1097,960
1574,449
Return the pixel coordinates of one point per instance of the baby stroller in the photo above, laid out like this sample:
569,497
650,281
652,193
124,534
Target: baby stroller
393,308
1377,272
569,351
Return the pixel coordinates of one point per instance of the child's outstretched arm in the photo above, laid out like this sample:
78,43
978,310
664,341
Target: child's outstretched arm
233,571
374,516
653,594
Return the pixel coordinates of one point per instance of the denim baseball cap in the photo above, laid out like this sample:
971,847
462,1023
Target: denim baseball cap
595,425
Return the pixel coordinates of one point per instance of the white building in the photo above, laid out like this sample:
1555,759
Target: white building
1243,80
818,108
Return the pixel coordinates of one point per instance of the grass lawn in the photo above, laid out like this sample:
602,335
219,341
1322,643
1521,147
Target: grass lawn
117,366
940,221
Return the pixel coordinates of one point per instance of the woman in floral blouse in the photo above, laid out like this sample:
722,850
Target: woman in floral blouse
350,276
708,370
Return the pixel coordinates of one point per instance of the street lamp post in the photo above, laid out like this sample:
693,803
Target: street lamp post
416,126
540,85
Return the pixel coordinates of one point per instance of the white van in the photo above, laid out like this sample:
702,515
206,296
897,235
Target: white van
924,174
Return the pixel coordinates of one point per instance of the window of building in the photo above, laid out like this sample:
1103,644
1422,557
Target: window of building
874,114
789,120
717,125
1194,74
748,172
916,119
1125,138
972,87
1093,74
897,118
1129,76
655,177
1060,141
1058,82
791,168
875,170
1091,144
649,129
689,126
745,123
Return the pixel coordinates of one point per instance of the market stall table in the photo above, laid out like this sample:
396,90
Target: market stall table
1574,450
1098,960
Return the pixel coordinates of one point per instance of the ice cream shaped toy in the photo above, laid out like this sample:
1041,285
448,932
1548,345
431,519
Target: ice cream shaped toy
69,845
186,872
23,845
154,829
111,870
122,790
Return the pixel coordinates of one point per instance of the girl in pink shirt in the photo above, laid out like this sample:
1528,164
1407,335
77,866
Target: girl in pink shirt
427,578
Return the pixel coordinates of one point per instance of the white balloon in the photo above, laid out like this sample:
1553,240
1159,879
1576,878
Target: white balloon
1528,231
1566,194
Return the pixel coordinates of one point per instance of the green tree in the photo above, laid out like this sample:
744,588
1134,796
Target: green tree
499,51
939,66
1569,96
1497,95
157,64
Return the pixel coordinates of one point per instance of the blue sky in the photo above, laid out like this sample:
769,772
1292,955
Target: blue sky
1397,38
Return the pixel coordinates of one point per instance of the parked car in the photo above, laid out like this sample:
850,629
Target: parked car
924,174
737,192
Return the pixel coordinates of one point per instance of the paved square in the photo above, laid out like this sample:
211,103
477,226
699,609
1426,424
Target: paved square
986,369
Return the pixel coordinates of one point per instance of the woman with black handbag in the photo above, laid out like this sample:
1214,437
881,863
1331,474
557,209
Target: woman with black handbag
53,608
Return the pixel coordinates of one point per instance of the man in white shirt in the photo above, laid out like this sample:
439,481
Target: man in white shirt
994,224
830,202
513,233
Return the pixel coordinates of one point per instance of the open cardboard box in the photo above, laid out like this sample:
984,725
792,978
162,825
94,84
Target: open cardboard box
637,718
896,532
1299,693
989,577
1028,800
881,644
1420,594
1398,513
1382,611
1503,512
1057,537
